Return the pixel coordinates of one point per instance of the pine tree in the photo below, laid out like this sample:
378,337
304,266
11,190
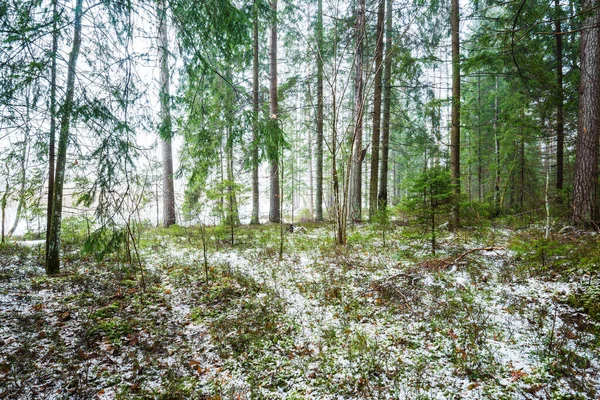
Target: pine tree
585,181
53,257
165,113
375,139
274,210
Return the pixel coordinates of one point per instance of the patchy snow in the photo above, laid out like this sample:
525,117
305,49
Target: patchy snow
366,322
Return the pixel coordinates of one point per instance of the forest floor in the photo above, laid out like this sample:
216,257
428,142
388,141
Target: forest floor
367,321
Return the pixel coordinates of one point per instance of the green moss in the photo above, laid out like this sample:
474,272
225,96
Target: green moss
106,312
114,329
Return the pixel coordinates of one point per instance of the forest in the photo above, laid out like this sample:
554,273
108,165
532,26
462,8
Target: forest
299,199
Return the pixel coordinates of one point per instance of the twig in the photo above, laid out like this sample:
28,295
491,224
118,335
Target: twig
466,253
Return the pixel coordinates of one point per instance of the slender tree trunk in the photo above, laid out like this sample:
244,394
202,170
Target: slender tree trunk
387,100
3,202
52,139
340,209
166,124
274,212
255,191
455,136
319,144
470,166
3,205
232,207
479,165
53,259
374,181
394,181
23,172
311,191
522,166
357,153
497,197
585,181
221,202
560,121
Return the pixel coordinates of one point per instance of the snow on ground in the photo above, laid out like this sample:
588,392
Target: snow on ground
363,322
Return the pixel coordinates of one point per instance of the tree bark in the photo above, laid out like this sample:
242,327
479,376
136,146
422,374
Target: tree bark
23,162
319,144
232,207
3,202
254,220
374,181
356,154
387,100
585,181
53,258
274,212
560,121
497,200
166,124
455,135
52,139
479,164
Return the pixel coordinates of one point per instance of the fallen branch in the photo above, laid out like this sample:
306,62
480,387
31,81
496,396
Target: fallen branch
466,253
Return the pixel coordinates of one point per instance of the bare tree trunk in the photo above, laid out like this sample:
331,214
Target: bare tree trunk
166,124
479,166
374,181
311,191
53,259
254,220
560,119
52,139
232,207
319,194
522,165
455,136
497,200
387,100
339,203
585,181
3,203
23,172
275,211
221,201
357,153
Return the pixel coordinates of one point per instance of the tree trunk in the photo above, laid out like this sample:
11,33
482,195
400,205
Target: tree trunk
53,259
479,164
274,212
339,203
560,119
374,181
319,172
254,220
356,154
387,99
311,191
455,136
232,208
221,201
522,165
585,181
165,124
52,139
3,202
497,200
23,172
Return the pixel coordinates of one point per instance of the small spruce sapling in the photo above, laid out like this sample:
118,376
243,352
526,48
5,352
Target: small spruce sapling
430,196
382,220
